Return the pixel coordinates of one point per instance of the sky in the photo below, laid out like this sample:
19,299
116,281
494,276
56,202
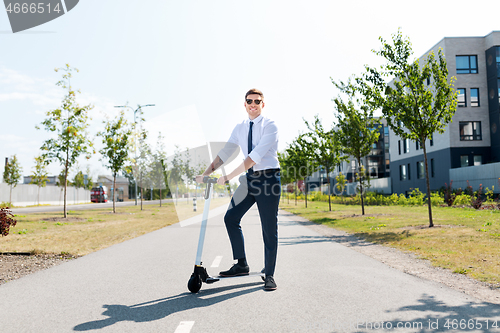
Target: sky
196,59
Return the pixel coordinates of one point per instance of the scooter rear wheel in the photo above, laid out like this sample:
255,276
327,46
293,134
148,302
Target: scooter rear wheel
194,283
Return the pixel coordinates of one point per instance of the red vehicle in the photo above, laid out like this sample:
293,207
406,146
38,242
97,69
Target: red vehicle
99,194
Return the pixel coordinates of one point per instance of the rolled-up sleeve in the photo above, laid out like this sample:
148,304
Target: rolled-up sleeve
267,142
230,147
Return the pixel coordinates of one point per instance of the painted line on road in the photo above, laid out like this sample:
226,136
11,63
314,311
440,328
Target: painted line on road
184,327
216,262
198,218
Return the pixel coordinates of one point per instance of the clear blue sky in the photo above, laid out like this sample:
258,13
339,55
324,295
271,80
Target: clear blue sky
196,59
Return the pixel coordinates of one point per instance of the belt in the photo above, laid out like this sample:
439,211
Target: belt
264,172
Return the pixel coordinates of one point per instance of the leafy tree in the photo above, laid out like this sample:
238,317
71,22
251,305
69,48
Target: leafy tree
413,109
356,132
142,165
298,161
114,154
78,181
158,171
69,123
90,181
341,181
12,174
323,147
39,175
176,171
286,170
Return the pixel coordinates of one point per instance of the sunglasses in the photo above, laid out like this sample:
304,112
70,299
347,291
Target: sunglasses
257,101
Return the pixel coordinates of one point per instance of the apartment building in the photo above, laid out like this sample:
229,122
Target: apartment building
473,136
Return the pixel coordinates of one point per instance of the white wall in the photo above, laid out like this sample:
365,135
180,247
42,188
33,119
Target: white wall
27,194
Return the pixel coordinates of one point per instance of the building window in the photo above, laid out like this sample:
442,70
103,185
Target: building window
478,159
406,146
402,172
399,147
464,161
428,80
409,171
420,170
466,64
462,102
474,97
417,145
431,140
432,167
470,130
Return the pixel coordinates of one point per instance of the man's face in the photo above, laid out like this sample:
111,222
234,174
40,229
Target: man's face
253,109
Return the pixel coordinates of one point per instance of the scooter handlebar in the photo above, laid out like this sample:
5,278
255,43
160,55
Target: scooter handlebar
208,180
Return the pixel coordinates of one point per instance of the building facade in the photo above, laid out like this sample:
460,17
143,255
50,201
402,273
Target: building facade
473,136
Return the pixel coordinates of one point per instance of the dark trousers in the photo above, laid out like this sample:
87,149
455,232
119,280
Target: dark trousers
265,190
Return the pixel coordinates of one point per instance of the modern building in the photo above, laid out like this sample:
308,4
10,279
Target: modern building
473,136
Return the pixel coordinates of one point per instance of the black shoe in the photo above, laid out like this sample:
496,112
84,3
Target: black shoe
270,284
236,270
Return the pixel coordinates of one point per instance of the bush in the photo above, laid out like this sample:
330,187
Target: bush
462,200
416,198
6,221
436,199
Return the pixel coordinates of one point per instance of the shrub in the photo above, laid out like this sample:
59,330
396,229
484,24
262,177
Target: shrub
6,221
416,198
436,199
476,199
462,199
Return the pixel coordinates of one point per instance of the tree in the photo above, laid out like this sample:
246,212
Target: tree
357,130
158,171
286,170
90,182
414,109
78,181
142,165
176,171
12,174
298,161
322,147
39,175
114,154
69,123
6,221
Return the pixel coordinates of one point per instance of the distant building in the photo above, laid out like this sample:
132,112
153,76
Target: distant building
51,180
473,137
122,186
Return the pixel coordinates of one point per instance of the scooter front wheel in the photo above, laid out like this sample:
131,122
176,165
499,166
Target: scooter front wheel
194,283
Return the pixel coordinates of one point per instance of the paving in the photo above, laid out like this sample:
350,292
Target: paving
141,286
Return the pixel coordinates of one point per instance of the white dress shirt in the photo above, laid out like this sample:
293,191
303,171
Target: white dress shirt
264,143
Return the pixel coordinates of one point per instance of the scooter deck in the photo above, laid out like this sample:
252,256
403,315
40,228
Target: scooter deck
251,274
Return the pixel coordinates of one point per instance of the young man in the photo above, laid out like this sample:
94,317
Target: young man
258,138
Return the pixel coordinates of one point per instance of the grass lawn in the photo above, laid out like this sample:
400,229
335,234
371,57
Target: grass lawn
464,240
86,231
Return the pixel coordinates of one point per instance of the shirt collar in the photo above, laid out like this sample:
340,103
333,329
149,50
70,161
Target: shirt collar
256,120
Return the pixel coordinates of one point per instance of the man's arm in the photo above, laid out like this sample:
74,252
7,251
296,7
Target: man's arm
247,164
211,168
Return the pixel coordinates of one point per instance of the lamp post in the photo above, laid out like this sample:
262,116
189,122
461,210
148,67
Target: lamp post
135,111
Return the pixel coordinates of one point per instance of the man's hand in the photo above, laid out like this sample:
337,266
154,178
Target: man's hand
223,180
199,178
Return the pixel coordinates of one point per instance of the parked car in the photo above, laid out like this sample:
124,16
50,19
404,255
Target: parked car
99,194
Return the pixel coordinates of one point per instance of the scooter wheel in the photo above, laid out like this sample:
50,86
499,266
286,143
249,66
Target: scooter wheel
194,283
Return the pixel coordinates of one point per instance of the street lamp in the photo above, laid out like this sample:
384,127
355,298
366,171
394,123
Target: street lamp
135,111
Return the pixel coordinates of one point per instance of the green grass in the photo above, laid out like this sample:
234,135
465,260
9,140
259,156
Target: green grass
464,240
87,231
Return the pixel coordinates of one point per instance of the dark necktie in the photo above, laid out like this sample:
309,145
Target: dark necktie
250,138
250,171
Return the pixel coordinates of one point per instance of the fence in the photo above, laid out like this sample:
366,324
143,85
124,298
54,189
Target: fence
485,174
27,195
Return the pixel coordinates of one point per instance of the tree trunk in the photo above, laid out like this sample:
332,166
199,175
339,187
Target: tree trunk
141,197
295,193
10,197
114,192
38,195
361,188
329,190
429,204
65,183
160,196
305,191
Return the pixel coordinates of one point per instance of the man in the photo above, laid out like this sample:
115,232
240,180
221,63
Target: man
258,138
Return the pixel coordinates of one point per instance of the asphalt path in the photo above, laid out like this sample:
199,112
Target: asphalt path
141,286
42,209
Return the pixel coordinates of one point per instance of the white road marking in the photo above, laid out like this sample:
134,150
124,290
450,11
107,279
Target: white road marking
216,262
184,327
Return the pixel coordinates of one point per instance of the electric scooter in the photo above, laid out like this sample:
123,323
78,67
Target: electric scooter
200,273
